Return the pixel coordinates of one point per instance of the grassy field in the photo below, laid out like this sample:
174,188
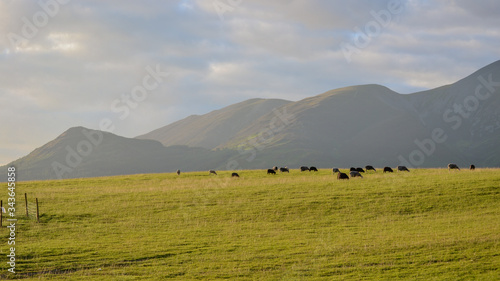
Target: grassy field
429,224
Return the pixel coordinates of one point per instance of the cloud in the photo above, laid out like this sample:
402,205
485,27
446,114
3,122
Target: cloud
86,55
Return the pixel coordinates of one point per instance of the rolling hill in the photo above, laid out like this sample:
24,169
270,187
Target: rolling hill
352,126
80,152
469,112
373,124
214,128
343,127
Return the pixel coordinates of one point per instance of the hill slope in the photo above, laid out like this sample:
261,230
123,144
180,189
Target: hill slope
364,124
469,112
214,128
81,152
352,126
344,127
372,124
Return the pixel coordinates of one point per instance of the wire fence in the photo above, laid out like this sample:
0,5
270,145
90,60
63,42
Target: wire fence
31,210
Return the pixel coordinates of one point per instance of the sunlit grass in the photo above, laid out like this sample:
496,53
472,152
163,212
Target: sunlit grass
429,224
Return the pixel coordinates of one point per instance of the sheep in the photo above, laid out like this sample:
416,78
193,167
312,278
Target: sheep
403,168
369,167
335,170
354,174
235,175
342,176
360,170
212,172
472,167
314,169
284,170
271,171
388,169
453,166
178,172
304,168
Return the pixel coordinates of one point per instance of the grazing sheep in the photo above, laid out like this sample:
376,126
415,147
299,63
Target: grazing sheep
335,170
369,167
360,170
354,174
314,169
388,169
275,168
342,176
453,166
403,168
352,169
212,172
472,167
235,175
304,168
271,171
178,172
284,170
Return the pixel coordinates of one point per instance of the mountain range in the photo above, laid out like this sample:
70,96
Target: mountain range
352,126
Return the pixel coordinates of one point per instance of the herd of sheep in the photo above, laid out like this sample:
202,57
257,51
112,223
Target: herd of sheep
353,172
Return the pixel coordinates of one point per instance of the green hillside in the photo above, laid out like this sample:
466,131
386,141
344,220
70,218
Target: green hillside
428,224
81,152
342,127
350,126
214,128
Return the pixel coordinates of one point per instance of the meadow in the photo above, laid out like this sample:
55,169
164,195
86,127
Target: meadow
428,224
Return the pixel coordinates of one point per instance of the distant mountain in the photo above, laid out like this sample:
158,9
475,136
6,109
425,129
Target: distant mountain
81,152
363,124
352,126
469,112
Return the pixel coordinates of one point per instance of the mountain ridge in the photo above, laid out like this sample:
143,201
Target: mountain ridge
214,127
349,126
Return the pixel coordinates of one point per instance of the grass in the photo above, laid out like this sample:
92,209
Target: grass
429,224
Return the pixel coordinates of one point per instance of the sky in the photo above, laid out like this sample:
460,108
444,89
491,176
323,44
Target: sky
130,67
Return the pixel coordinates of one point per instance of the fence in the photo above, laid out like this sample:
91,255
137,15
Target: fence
32,211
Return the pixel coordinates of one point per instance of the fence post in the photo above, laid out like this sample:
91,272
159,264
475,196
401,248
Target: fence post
26,202
37,212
